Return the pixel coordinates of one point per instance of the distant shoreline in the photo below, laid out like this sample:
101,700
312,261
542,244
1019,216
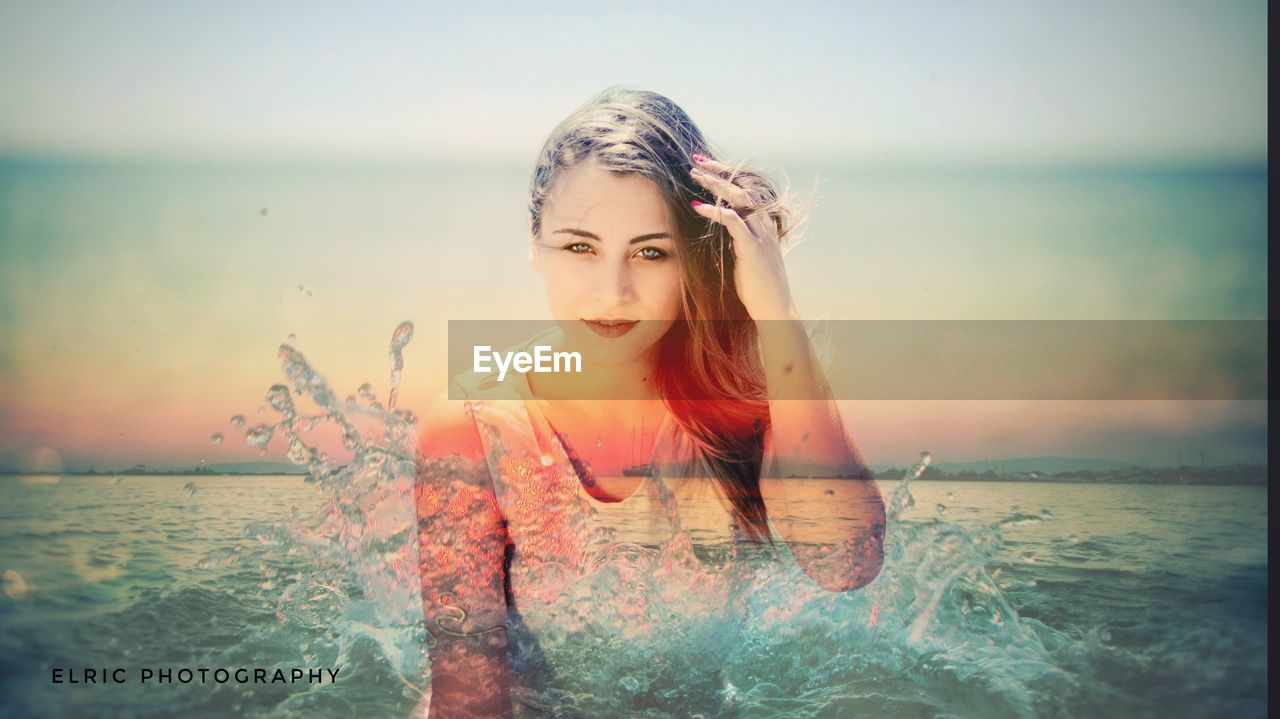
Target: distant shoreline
1227,475
1233,475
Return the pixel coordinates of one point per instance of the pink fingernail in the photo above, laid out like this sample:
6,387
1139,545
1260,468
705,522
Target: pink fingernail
696,203
699,158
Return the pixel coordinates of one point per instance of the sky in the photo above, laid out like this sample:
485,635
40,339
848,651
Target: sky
184,187
1002,80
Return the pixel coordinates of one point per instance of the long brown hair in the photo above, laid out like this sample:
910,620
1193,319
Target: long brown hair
708,370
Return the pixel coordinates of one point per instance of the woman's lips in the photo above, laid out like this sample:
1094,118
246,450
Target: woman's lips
612,328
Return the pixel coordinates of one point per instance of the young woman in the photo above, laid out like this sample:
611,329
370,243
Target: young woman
547,535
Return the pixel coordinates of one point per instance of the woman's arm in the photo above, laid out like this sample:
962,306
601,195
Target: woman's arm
840,544
840,541
462,541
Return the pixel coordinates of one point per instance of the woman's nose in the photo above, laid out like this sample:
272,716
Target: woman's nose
614,286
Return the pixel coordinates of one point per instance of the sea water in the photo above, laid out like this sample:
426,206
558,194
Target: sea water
995,600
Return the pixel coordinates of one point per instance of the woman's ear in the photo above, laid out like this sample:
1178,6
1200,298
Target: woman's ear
535,259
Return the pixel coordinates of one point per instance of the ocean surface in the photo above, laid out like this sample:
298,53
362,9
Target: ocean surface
997,599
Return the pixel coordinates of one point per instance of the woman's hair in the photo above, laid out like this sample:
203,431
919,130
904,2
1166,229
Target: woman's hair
708,368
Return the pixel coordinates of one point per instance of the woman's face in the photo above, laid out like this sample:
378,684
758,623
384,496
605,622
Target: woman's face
607,251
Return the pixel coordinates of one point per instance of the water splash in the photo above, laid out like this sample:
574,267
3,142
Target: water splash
401,337
933,633
358,584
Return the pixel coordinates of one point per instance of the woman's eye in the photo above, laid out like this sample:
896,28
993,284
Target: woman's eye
648,253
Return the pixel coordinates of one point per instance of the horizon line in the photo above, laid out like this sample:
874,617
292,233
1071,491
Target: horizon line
868,162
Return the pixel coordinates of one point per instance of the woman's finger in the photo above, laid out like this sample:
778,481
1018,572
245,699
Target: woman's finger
722,188
732,221
713,166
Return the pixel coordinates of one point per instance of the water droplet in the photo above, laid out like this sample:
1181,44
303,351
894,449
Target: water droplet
15,586
401,336
117,479
951,496
942,510
299,453
546,460
599,443
237,421
190,489
1046,513
279,398
293,337
366,391
216,438
259,435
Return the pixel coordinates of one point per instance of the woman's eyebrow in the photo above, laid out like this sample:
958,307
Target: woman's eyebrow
634,240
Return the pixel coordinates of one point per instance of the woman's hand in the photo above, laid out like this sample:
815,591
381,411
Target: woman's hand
759,276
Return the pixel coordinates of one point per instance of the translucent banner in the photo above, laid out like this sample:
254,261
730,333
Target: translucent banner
873,359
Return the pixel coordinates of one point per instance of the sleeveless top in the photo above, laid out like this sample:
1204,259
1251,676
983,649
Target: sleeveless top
613,607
